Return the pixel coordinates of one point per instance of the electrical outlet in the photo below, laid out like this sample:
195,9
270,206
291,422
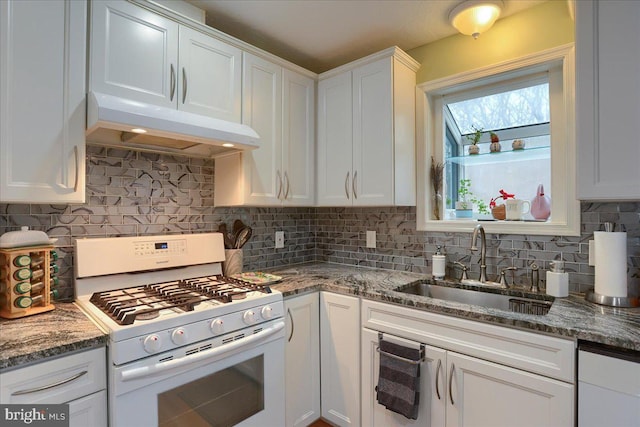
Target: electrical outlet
279,239
371,239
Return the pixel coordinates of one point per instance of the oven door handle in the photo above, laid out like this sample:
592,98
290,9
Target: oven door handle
146,371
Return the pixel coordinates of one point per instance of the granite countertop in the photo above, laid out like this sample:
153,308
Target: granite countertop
34,338
66,329
571,317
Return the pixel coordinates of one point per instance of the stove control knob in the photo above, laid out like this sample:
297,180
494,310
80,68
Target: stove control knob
249,317
217,326
152,344
266,312
179,336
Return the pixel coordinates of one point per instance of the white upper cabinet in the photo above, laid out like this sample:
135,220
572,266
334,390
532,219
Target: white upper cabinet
209,78
298,139
134,53
279,104
42,101
140,55
366,132
608,99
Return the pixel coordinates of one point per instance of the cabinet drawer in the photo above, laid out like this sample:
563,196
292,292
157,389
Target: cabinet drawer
56,381
541,354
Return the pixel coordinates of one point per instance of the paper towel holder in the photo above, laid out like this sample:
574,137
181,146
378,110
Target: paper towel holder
621,302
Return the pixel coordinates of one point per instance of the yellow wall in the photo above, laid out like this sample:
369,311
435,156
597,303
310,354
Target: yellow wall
533,30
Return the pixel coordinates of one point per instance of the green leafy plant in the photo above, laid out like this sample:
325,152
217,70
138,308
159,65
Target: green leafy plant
475,136
467,198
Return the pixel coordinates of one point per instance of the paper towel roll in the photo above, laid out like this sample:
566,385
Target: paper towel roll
611,263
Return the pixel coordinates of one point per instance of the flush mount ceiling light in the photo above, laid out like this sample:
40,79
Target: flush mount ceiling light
474,17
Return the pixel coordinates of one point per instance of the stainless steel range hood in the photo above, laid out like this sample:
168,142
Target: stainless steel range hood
120,122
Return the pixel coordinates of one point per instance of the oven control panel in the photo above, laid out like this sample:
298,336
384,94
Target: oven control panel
132,254
160,248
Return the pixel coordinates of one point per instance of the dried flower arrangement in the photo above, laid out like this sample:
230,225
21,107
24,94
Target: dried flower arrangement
436,183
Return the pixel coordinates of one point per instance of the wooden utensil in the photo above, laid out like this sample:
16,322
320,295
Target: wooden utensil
228,241
243,237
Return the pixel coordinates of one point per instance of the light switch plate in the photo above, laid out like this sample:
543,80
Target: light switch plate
371,239
279,239
592,253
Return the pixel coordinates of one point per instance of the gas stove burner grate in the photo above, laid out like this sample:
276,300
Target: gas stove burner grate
127,305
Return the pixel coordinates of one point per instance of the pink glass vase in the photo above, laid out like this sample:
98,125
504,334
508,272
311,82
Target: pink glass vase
541,205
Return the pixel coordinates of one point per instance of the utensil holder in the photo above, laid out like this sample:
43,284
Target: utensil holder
233,262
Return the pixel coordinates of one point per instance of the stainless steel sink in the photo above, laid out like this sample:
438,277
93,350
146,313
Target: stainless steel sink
481,298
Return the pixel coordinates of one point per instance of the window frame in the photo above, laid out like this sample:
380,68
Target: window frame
559,62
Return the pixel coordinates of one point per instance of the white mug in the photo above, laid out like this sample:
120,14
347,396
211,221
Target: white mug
516,209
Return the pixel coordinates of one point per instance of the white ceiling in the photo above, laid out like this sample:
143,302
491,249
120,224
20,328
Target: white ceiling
322,34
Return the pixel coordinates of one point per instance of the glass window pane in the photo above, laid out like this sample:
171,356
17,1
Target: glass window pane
514,108
521,114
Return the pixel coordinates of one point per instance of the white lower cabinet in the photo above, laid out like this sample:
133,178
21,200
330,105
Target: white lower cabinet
340,358
302,360
473,374
481,393
432,385
79,380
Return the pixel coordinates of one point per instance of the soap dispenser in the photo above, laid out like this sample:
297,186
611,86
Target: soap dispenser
438,262
557,280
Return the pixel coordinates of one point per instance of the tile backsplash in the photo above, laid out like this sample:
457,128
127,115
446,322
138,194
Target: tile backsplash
132,193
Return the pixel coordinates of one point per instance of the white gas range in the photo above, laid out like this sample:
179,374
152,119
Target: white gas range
186,345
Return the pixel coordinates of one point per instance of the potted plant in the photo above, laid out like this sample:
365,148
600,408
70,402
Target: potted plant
474,138
495,143
500,211
464,206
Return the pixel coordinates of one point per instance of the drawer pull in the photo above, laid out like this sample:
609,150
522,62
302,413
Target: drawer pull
438,369
47,387
453,367
292,326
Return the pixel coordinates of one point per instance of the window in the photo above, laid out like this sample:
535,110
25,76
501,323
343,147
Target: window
512,111
530,99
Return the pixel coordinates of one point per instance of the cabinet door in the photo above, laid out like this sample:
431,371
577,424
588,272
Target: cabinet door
298,136
302,359
89,411
335,141
262,110
433,397
42,101
487,394
373,158
134,53
608,100
210,73
340,358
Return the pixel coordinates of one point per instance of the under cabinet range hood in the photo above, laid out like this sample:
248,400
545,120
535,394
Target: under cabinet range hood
119,122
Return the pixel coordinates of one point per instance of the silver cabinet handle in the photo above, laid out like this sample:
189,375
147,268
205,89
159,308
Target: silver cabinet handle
49,386
173,83
438,369
292,327
354,184
184,85
77,156
279,184
346,186
453,367
286,180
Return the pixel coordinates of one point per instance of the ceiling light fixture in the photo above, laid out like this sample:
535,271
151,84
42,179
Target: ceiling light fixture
474,17
138,130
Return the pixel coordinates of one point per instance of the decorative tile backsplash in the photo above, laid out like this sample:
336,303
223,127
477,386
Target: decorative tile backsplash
132,193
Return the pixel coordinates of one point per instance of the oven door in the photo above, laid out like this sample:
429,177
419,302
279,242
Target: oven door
240,383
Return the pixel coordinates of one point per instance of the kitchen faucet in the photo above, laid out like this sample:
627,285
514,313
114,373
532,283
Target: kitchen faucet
483,251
